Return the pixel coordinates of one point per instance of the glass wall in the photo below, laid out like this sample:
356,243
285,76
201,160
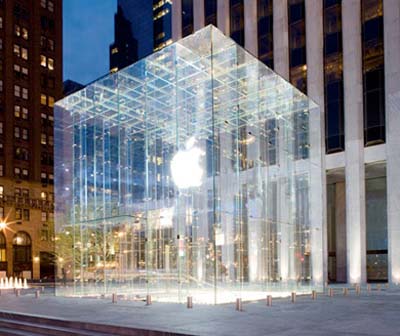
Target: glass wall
237,21
333,75
297,44
210,12
377,233
167,184
373,72
265,32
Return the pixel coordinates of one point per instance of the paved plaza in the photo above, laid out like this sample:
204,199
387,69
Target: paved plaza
374,313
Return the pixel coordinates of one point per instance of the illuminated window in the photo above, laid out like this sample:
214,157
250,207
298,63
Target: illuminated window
50,6
51,101
26,214
17,132
50,63
43,41
1,22
1,170
114,50
43,99
24,113
43,139
43,195
24,53
1,85
17,172
25,134
25,174
17,30
24,33
51,140
24,93
43,177
1,191
51,178
17,91
1,127
44,216
17,111
43,3
43,61
17,50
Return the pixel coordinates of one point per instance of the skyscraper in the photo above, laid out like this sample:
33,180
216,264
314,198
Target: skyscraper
344,55
30,83
141,27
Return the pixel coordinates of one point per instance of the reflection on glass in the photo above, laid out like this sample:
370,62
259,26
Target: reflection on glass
183,174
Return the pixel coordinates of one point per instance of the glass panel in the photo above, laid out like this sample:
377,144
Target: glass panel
189,172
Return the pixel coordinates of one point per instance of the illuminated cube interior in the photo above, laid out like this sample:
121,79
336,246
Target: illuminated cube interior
193,172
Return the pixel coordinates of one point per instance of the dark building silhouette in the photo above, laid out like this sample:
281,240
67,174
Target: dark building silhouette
141,27
70,86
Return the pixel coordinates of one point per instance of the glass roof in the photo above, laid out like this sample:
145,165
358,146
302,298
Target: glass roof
201,81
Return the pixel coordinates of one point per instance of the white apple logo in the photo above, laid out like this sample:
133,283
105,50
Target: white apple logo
185,166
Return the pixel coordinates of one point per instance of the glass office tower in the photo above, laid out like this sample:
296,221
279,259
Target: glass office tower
193,172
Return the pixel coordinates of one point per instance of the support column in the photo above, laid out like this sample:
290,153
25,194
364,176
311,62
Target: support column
315,90
223,16
250,27
340,226
391,16
198,14
176,20
281,38
354,147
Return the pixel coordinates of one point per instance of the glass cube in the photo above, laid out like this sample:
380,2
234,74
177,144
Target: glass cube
196,171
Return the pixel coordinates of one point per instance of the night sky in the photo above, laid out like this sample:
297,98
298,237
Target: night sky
88,32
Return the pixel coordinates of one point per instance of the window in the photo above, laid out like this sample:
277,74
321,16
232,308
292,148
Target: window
24,93
24,33
1,22
373,71
1,127
187,17
237,21
51,101
24,113
17,91
17,132
1,44
210,12
50,6
43,41
25,135
50,44
26,214
18,213
17,30
333,77
17,191
24,53
1,85
51,179
2,213
50,217
25,174
43,3
43,178
17,172
43,195
50,63
1,170
43,99
43,61
297,44
265,32
17,111
44,216
1,191
17,50
44,235
51,140
25,193
43,139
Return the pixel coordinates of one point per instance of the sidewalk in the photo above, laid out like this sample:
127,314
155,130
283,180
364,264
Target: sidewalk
376,313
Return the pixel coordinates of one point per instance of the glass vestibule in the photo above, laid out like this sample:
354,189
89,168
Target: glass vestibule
191,172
